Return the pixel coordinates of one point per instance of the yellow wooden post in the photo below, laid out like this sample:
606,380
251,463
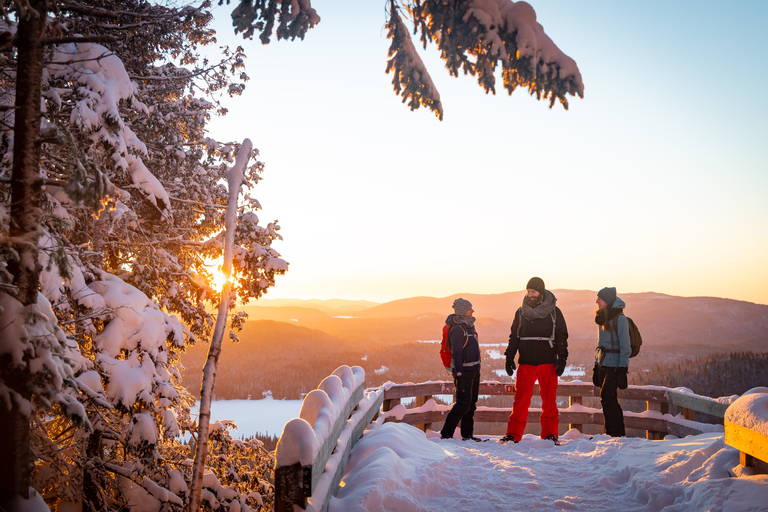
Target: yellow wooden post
752,446
661,407
571,401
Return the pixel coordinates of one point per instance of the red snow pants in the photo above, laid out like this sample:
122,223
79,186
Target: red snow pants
527,375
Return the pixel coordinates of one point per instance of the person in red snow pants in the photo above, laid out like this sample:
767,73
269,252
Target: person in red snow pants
539,336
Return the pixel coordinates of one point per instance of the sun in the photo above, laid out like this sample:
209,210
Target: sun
214,267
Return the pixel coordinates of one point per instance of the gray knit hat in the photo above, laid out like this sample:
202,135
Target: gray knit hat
461,306
608,295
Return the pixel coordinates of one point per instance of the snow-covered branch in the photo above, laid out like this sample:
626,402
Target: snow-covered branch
477,37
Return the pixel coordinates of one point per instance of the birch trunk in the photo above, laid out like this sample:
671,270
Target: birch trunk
235,181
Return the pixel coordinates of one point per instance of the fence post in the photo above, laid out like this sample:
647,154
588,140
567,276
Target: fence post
663,408
421,400
292,485
389,404
574,400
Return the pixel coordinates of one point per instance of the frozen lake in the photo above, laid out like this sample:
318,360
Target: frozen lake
266,416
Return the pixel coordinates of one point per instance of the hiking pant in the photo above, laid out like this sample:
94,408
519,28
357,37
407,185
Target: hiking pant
463,410
527,375
614,416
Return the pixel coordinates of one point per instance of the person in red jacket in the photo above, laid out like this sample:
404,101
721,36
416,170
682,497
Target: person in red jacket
540,337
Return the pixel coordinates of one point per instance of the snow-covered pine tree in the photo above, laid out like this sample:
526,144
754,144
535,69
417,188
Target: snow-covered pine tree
131,208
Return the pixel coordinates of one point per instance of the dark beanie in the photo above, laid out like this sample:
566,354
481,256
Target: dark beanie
536,283
608,295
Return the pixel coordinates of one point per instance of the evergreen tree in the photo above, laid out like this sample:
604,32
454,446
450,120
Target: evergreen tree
122,206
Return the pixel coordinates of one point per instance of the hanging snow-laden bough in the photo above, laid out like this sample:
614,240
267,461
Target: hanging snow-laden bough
235,178
477,36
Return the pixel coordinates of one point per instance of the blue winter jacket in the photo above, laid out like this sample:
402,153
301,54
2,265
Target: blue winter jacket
465,349
612,336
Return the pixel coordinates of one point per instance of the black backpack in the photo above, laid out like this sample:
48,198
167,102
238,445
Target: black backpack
635,339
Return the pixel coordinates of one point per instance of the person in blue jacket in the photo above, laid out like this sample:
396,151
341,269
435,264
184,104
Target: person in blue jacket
465,367
611,358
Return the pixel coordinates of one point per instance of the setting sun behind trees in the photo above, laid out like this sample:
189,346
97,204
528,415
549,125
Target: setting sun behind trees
637,185
214,267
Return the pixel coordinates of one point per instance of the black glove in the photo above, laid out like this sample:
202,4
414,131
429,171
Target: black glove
596,376
621,378
509,366
560,367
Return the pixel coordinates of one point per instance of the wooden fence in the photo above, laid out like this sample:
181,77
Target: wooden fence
655,420
311,485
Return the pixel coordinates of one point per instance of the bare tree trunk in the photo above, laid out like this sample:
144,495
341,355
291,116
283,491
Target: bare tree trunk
235,181
92,493
26,192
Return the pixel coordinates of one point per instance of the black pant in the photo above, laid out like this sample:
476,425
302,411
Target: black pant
467,389
614,416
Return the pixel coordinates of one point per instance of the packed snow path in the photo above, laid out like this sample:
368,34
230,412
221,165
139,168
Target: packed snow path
395,467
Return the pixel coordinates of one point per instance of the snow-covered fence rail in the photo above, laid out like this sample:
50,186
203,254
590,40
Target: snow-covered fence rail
313,448
746,429
655,420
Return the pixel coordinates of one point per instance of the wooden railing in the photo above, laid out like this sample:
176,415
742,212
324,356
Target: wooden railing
314,448
746,429
656,420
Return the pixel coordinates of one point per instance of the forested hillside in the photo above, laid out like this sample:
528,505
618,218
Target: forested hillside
289,354
716,375
288,361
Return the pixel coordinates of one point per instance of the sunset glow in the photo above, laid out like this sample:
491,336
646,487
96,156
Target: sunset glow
219,279
655,181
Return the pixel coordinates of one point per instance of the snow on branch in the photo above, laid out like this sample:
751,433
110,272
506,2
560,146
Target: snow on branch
40,354
410,78
294,18
102,84
476,37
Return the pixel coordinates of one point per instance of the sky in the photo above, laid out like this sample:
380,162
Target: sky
655,181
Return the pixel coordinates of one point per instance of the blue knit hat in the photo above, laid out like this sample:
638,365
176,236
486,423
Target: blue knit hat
461,306
608,295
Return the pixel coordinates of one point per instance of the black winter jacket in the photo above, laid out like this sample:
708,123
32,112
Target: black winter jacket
535,352
465,348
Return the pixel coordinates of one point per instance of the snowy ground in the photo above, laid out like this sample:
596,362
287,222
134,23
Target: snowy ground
395,467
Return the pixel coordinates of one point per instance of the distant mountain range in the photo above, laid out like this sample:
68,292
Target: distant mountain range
288,346
330,305
661,318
